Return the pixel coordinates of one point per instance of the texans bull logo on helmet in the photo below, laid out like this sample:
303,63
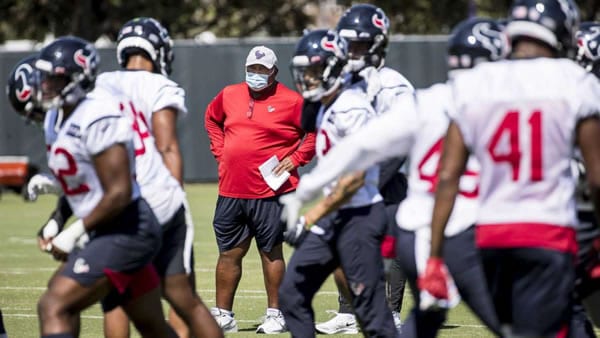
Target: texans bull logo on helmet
83,60
491,39
380,21
334,44
21,75
589,43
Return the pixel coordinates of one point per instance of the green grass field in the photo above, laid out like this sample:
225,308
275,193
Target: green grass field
25,271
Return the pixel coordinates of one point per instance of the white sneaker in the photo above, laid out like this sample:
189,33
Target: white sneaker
224,319
342,323
397,320
274,323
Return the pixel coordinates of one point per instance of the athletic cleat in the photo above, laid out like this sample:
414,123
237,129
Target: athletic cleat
224,319
342,323
274,323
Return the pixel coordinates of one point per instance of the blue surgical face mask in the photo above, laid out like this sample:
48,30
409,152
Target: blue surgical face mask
257,81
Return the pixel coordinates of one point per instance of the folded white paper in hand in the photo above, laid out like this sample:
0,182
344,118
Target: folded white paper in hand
266,170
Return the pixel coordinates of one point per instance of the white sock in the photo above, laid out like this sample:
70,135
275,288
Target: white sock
273,311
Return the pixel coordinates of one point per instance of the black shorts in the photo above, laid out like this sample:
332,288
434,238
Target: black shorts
531,288
587,256
462,259
129,244
236,219
176,253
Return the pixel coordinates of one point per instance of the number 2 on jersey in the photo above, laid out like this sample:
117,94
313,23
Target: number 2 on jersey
511,127
69,171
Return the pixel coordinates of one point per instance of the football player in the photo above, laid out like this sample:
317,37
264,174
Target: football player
345,238
588,54
521,119
366,28
92,158
417,128
144,50
587,278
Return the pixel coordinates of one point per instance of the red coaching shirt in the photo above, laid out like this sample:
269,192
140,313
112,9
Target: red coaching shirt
245,132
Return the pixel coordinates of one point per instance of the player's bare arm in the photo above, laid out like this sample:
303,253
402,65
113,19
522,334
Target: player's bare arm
588,139
345,188
164,124
452,165
112,166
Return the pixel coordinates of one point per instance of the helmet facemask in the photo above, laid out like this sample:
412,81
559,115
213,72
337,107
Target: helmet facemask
56,90
588,47
364,53
317,80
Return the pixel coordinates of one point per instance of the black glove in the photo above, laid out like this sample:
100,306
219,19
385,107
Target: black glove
57,219
310,110
296,235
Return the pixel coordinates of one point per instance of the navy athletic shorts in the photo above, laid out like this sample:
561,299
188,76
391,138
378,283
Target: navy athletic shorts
121,249
176,254
532,288
236,219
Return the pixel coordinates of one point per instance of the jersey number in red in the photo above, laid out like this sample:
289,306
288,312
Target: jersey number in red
430,164
140,126
327,145
510,127
69,171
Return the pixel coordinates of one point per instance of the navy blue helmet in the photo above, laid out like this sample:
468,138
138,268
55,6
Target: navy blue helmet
552,22
148,36
476,40
366,28
588,47
21,92
318,63
66,70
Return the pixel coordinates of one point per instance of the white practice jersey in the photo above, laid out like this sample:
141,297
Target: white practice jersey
518,118
350,112
392,85
416,209
411,128
147,93
94,126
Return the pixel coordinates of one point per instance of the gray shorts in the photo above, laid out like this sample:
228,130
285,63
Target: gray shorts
176,253
236,219
127,245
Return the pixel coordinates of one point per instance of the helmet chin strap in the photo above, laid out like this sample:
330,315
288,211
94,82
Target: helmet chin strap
59,119
74,95
313,95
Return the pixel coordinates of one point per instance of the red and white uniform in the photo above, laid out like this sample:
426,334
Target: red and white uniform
348,114
145,94
518,118
94,126
392,85
415,127
416,210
